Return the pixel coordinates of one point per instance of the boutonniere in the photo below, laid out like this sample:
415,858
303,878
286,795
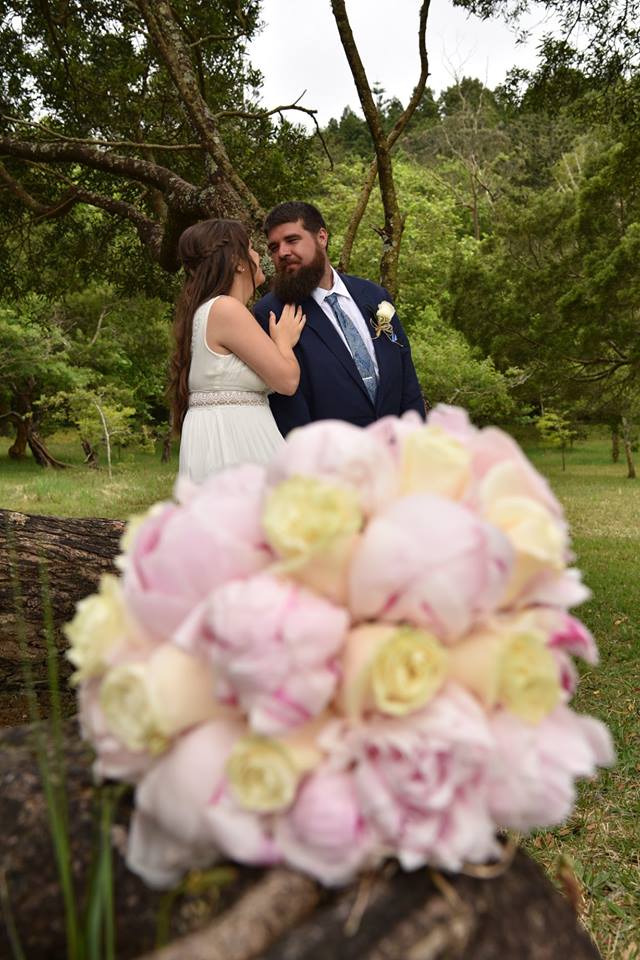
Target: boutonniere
382,321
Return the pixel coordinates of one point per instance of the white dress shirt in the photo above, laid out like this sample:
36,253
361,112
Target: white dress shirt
350,307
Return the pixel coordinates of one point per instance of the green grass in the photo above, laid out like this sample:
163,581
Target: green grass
601,838
600,841
139,479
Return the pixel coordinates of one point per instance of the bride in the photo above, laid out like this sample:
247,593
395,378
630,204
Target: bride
224,363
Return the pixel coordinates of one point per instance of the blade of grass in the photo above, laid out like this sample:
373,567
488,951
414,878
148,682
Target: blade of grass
5,902
58,820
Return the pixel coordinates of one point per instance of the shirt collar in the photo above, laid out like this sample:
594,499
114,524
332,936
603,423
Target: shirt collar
320,295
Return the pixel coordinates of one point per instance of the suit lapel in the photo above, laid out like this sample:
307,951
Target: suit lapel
322,326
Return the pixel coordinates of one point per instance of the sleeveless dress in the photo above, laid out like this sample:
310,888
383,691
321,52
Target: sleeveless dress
229,420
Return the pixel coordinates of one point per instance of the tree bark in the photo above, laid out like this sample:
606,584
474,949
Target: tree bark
391,231
18,448
626,440
271,915
91,458
396,131
615,444
76,553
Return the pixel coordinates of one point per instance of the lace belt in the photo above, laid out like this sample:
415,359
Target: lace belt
213,398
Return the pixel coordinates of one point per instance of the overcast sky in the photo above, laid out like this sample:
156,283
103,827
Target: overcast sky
299,49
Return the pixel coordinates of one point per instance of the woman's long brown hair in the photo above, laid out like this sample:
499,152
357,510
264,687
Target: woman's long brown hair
209,251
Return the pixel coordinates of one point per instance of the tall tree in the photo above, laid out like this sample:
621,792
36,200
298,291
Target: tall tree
383,142
143,110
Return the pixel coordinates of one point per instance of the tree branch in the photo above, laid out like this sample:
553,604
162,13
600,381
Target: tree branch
100,143
389,141
175,54
182,193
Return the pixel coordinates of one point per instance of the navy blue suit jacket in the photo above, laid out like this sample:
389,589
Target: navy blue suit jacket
330,385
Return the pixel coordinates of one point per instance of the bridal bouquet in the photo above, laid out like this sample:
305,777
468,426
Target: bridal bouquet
363,651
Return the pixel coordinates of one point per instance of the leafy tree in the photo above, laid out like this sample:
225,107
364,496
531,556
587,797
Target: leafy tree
145,111
556,428
609,30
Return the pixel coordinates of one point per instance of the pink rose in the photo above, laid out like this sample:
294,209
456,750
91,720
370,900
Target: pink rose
432,563
421,782
183,805
273,644
183,552
337,451
534,768
325,833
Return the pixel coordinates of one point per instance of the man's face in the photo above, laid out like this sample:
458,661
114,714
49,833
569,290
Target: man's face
292,246
300,259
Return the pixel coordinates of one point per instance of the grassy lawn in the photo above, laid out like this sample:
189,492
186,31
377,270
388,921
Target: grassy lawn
599,845
600,841
139,479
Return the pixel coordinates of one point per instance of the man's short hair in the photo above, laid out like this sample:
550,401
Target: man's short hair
291,212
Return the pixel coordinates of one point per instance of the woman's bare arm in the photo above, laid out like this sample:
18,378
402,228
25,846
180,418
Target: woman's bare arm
231,326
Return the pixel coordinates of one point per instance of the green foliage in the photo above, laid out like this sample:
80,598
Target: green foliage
451,371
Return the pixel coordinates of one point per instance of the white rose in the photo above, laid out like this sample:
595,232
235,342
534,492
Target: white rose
99,625
385,311
145,703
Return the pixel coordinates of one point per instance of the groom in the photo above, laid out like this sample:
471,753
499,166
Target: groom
347,372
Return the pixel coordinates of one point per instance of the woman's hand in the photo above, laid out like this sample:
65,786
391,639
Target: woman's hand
286,331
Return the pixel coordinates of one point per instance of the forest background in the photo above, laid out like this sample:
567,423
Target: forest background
517,277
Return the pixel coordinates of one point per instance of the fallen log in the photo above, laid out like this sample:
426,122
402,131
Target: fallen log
275,914
76,552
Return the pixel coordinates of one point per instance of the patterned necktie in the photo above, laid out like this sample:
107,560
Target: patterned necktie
361,355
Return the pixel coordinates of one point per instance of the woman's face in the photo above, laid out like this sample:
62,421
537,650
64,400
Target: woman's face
259,274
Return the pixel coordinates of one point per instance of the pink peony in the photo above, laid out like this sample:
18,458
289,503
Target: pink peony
492,448
185,806
430,562
564,589
421,782
533,772
340,452
273,644
568,634
392,431
183,552
325,833
455,421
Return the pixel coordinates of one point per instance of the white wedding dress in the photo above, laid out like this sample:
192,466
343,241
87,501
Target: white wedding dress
229,420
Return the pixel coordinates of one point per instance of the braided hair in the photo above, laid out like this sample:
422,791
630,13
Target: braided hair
209,251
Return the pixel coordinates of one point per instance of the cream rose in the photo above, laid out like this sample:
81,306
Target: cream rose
264,773
145,703
433,461
511,667
304,514
395,670
538,538
100,624
313,525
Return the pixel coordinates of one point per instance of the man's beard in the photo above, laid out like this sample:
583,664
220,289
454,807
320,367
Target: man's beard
297,285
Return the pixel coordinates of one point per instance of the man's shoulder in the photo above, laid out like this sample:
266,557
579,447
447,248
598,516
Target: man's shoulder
361,283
